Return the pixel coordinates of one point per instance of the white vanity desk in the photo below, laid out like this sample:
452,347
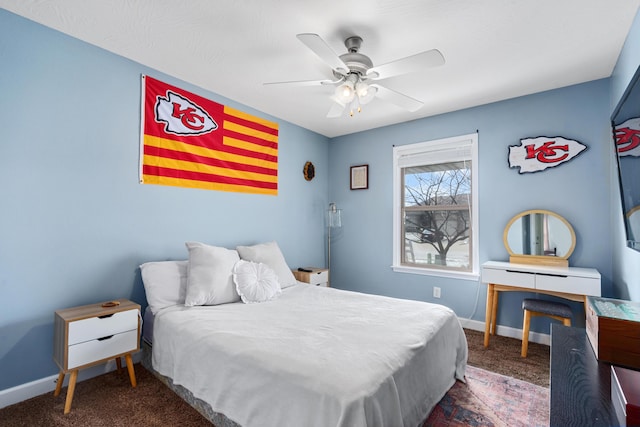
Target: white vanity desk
571,283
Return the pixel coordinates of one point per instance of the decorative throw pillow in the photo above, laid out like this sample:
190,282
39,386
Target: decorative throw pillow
165,283
210,280
270,254
255,282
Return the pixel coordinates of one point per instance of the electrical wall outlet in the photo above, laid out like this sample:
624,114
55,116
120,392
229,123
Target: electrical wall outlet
436,292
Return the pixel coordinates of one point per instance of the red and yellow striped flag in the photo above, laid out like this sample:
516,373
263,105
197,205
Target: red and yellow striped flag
190,141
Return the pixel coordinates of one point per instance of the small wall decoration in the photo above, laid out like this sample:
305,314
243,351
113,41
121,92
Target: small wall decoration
360,177
627,137
540,153
309,171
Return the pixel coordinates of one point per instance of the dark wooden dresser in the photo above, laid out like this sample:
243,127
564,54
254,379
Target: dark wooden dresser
580,384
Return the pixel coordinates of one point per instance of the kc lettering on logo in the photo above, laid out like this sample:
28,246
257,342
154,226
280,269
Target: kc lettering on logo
627,137
188,117
547,152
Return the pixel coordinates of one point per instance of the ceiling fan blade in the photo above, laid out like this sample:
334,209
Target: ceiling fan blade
324,52
305,82
398,98
336,110
410,64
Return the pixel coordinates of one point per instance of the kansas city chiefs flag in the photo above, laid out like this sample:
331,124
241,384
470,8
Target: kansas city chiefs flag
190,141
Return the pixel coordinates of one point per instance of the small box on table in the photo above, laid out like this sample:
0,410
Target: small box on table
613,328
625,395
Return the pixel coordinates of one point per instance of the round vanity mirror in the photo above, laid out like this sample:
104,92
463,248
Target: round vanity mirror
539,237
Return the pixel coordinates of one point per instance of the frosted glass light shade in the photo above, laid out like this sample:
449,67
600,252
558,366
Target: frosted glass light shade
345,92
334,220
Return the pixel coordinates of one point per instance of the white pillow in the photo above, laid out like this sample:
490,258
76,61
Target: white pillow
210,280
270,254
255,282
165,283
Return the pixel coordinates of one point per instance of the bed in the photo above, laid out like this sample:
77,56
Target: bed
306,355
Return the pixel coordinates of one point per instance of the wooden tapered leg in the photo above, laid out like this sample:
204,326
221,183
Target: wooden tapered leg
56,392
488,315
70,390
494,315
525,333
132,372
118,364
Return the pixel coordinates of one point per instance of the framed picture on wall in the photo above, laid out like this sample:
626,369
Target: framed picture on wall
360,177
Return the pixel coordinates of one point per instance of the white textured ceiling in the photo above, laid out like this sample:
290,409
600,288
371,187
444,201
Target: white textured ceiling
494,49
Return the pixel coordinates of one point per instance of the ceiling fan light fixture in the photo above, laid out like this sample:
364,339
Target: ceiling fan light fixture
361,89
365,92
345,92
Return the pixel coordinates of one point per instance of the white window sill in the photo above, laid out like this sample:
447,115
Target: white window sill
463,275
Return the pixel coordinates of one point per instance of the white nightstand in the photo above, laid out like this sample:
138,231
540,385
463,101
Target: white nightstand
93,334
316,276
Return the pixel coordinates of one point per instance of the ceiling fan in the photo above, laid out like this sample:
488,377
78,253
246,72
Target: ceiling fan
357,79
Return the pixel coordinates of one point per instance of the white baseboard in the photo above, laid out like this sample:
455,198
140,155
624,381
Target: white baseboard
35,388
506,331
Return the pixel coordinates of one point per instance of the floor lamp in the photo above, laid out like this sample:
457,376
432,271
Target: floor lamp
334,220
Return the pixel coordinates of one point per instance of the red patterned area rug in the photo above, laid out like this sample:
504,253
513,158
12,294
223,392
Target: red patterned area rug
489,399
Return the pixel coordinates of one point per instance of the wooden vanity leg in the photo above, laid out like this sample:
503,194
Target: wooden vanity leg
132,372
70,391
118,364
494,315
56,393
488,314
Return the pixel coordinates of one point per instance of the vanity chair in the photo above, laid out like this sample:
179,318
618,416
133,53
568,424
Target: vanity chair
538,307
539,243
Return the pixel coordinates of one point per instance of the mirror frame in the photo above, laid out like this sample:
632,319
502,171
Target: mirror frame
626,109
633,232
562,261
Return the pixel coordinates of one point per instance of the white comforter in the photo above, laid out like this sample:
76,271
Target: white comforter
314,357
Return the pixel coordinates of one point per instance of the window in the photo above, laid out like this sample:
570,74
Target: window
435,218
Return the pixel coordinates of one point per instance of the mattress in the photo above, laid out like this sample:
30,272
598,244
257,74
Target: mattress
315,356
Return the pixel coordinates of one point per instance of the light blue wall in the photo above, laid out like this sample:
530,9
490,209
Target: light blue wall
577,190
75,223
626,262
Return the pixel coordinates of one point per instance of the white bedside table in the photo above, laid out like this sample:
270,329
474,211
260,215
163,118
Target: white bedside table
93,334
316,276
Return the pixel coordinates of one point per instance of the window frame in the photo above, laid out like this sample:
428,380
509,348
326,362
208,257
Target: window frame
421,151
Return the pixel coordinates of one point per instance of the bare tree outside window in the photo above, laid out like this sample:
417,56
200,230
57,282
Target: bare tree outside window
436,215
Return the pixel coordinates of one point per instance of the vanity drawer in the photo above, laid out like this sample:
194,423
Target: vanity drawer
569,284
101,326
508,277
103,348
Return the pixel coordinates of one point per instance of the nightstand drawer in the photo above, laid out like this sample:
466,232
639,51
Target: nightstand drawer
315,276
98,327
102,348
319,277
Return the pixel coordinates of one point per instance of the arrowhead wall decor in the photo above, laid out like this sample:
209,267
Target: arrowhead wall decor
540,153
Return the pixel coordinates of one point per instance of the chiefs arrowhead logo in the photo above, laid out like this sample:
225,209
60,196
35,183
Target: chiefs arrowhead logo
183,117
538,154
628,138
